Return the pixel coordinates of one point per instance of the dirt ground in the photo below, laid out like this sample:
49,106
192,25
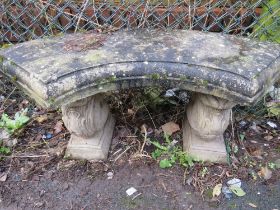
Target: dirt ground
37,175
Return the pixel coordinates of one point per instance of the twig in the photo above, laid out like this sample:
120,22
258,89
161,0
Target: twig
2,106
150,116
80,16
145,139
136,196
24,156
122,153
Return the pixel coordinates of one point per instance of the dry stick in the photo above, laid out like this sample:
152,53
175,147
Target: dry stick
46,16
150,116
24,156
144,13
145,139
2,106
232,128
80,16
122,153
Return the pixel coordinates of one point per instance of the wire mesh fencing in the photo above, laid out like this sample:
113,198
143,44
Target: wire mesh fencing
22,20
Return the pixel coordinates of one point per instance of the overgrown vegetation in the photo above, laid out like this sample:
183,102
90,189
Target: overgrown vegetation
171,153
269,24
11,125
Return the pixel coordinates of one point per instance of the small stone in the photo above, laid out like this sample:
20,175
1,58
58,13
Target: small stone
110,175
242,123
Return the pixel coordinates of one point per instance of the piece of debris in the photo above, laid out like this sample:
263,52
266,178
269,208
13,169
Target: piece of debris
255,127
234,182
4,134
226,191
217,190
170,93
170,128
268,138
110,175
252,205
3,177
237,190
265,173
272,124
58,127
41,118
235,187
130,191
242,123
47,136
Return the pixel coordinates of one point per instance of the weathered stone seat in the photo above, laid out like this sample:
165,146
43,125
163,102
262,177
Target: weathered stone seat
73,70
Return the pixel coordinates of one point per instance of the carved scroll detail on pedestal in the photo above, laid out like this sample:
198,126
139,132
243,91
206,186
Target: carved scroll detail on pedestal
207,119
91,126
85,117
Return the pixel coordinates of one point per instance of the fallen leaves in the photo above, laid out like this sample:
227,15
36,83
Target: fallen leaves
170,128
58,127
268,138
265,173
41,118
217,190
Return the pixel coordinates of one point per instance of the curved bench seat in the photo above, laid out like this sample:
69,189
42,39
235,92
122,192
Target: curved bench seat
72,70
60,70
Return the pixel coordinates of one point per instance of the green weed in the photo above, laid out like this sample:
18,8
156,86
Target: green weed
11,125
170,154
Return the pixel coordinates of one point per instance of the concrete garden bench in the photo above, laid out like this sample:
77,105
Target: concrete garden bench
72,71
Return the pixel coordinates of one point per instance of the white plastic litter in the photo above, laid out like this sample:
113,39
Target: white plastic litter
271,124
110,175
130,191
234,182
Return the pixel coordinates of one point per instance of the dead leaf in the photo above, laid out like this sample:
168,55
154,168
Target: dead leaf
257,153
130,112
265,173
143,129
3,177
252,205
217,190
170,128
268,138
41,118
58,127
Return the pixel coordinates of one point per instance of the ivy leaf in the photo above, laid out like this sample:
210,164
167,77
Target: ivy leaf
157,153
217,190
5,150
158,145
165,163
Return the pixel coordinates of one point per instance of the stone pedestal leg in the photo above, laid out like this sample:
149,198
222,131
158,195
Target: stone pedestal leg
207,119
91,126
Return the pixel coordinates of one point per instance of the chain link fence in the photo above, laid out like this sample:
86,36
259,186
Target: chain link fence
22,20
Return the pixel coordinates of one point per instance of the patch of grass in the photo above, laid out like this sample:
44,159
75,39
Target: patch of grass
5,150
169,154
